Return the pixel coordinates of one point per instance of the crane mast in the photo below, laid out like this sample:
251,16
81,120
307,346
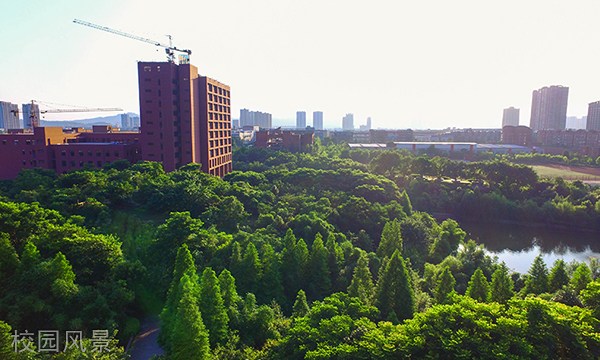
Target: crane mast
169,48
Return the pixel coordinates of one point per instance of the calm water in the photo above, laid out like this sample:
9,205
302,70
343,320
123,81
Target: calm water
517,246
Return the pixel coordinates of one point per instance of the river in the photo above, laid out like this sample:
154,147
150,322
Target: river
518,245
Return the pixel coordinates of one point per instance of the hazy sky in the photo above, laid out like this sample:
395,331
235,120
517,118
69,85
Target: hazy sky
407,64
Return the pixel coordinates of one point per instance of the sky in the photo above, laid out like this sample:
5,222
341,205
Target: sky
426,64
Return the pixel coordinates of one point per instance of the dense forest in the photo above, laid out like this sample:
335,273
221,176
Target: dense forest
332,254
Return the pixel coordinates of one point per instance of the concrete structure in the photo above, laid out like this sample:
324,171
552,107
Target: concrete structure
318,120
185,117
255,118
593,116
29,110
294,141
549,108
300,119
55,149
517,135
9,116
235,123
581,141
483,136
348,122
130,122
386,136
510,117
576,123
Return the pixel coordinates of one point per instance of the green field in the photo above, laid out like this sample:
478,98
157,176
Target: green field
567,174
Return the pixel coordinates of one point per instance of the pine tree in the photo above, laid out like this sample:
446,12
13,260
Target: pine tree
63,278
290,267
502,288
250,270
184,265
335,258
394,293
271,285
9,260
405,202
362,281
319,279
210,303
235,262
228,289
581,278
300,305
445,287
558,276
479,288
391,239
190,339
537,282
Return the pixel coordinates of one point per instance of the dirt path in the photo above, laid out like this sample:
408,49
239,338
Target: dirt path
145,345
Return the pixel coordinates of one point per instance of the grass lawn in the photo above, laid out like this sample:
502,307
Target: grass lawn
564,172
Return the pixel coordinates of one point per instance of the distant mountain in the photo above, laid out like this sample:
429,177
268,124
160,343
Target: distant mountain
114,120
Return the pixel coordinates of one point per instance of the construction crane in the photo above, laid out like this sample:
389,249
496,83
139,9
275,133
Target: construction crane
35,121
169,49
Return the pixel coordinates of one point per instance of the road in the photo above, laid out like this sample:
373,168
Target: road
145,345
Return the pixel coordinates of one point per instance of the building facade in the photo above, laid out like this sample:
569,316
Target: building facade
549,108
593,116
185,118
517,135
301,119
130,122
30,110
255,118
510,117
348,122
9,116
318,120
294,141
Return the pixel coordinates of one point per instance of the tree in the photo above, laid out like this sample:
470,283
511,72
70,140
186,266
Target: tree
300,305
450,237
9,260
210,303
362,281
479,288
395,296
249,270
405,202
290,267
558,276
502,288
319,278
271,287
444,290
581,278
190,339
590,296
537,282
391,239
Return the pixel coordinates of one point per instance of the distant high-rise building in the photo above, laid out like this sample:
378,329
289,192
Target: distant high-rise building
369,125
318,120
510,117
576,123
235,123
130,122
348,122
255,118
593,116
9,115
301,119
27,114
549,108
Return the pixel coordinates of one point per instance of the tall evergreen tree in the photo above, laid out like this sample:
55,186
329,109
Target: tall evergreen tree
300,307
9,260
335,259
558,276
271,287
406,203
537,282
235,262
319,279
190,339
391,239
250,270
184,265
502,288
228,289
210,303
581,278
445,287
479,288
63,278
362,281
290,267
394,294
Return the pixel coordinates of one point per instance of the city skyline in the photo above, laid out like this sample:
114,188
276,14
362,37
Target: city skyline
395,51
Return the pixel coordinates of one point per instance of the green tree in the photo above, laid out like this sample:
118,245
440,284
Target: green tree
362,281
537,282
391,239
444,290
479,288
190,339
406,203
271,286
590,296
231,299
9,260
290,267
581,278
319,278
250,270
210,303
300,307
558,276
63,286
502,287
395,296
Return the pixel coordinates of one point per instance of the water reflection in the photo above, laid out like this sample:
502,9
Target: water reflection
517,245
